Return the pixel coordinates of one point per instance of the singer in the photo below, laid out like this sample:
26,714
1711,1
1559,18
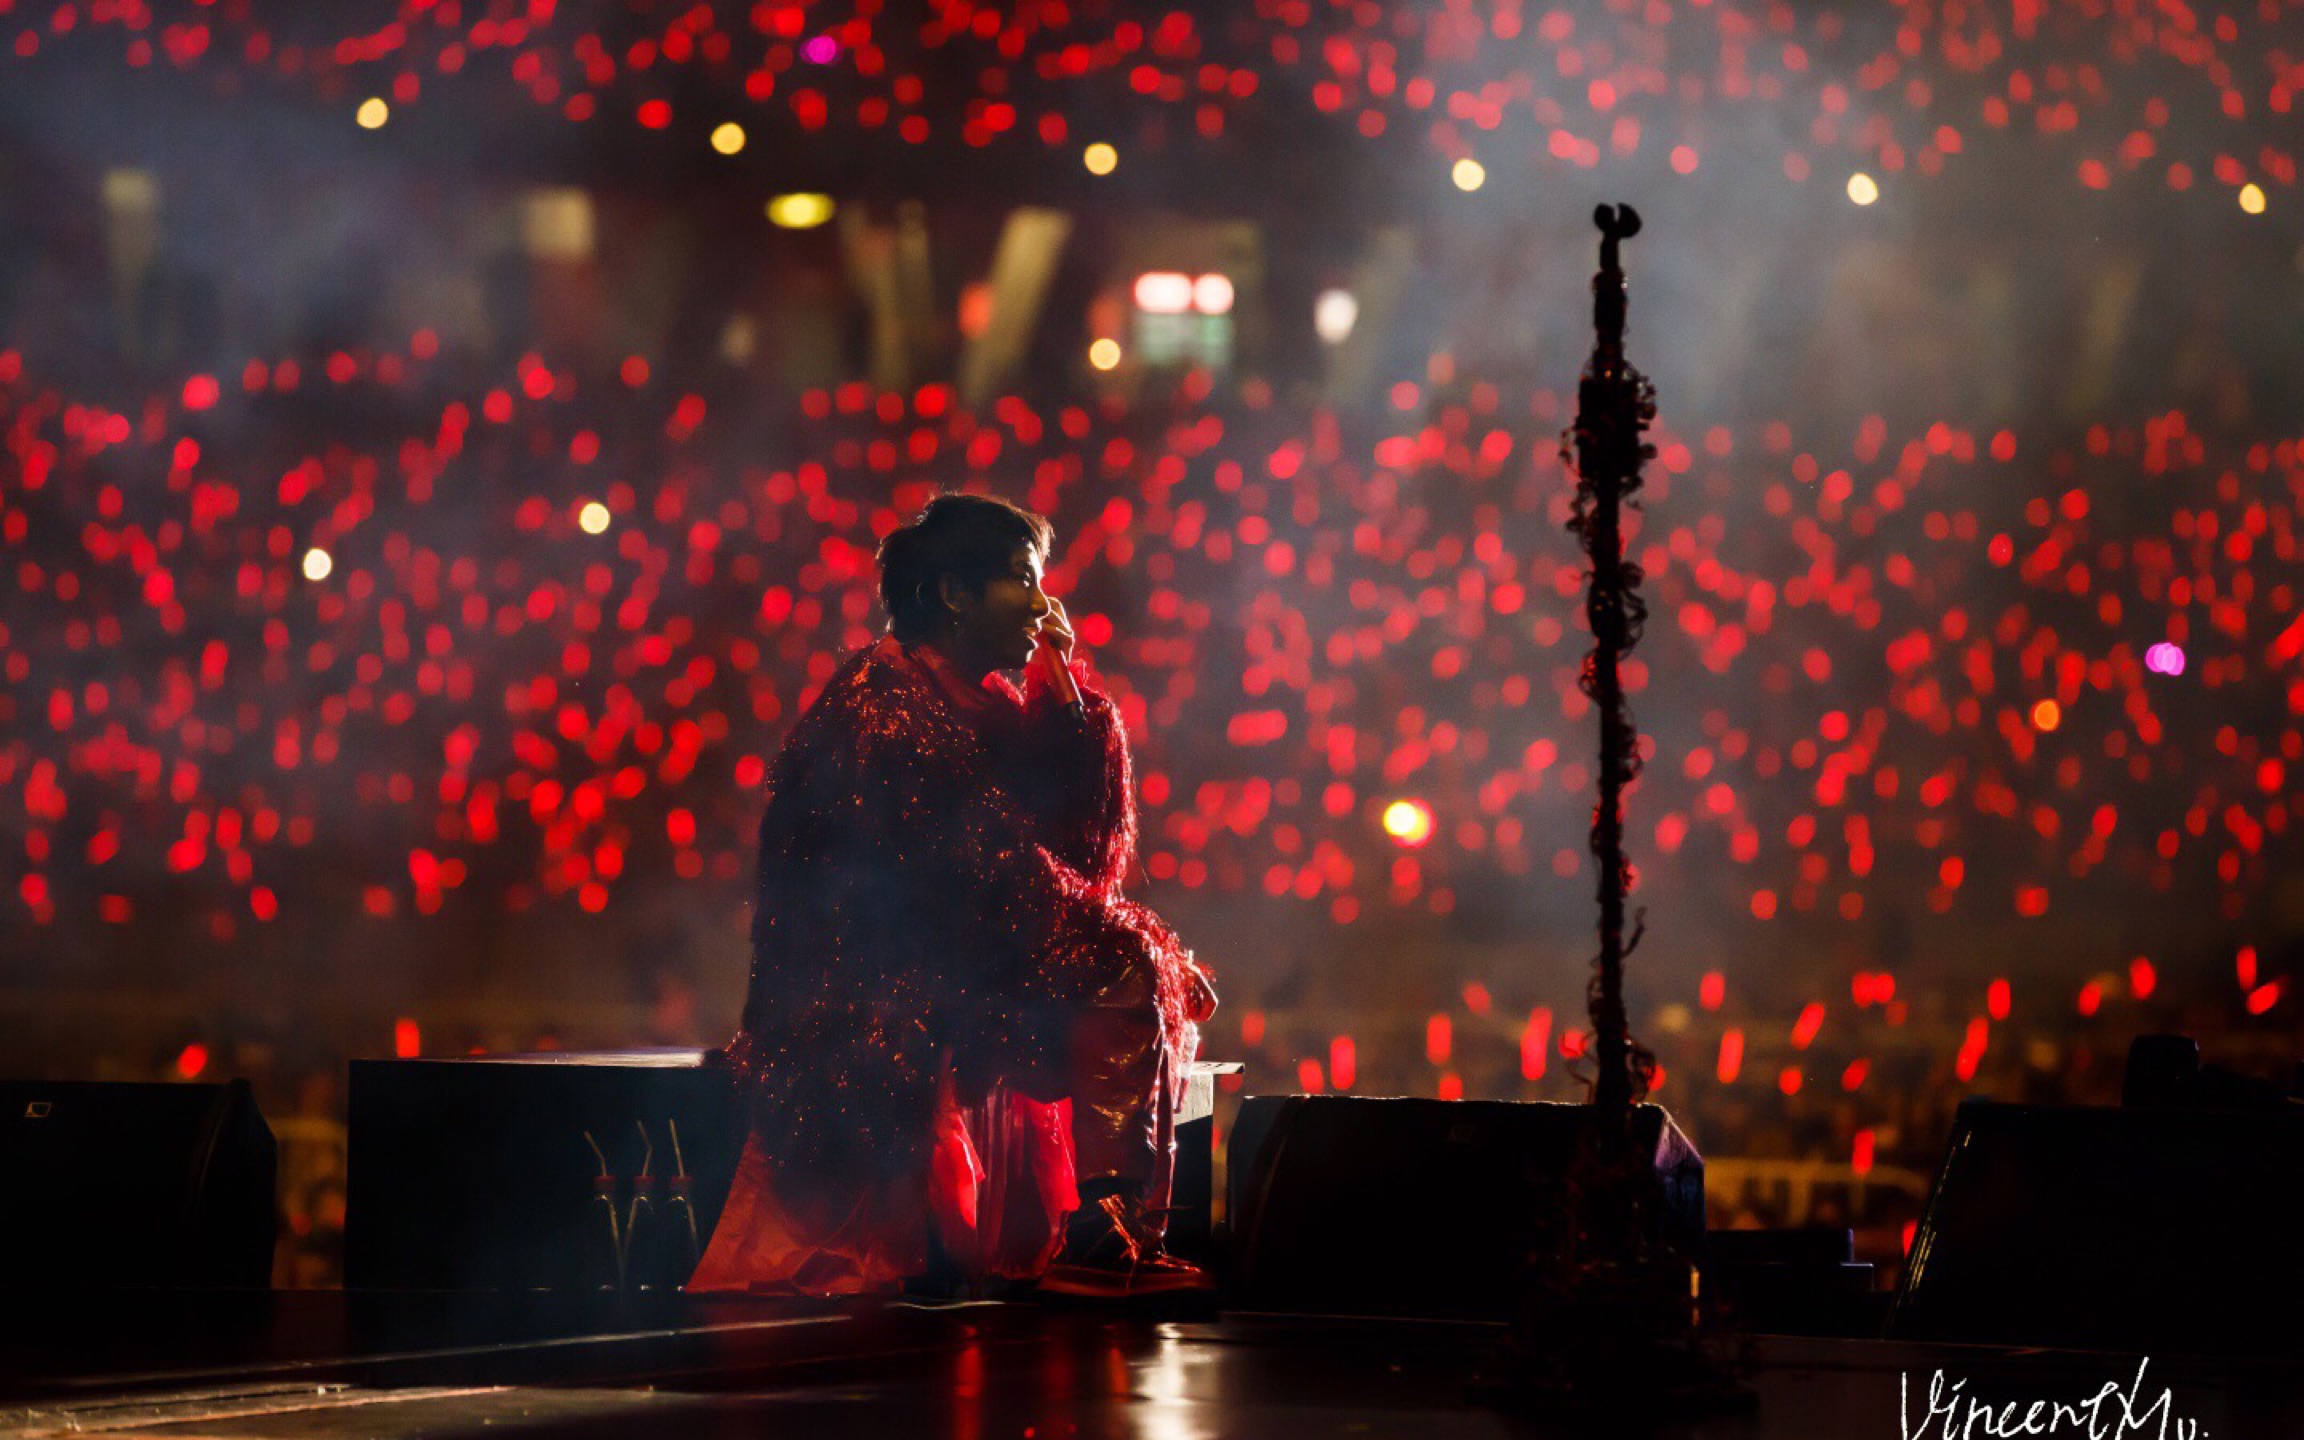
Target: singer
957,1026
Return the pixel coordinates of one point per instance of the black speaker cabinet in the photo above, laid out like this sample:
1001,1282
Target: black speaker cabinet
107,1185
478,1173
1346,1205
481,1173
2131,1229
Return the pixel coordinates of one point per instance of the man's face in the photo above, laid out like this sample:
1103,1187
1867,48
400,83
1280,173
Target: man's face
996,628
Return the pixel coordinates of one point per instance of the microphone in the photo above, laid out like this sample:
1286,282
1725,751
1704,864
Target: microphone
1061,677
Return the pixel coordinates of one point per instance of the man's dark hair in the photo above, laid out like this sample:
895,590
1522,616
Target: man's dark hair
972,538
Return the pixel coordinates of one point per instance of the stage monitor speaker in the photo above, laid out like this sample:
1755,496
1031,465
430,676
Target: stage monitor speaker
1346,1205
482,1173
2131,1229
108,1185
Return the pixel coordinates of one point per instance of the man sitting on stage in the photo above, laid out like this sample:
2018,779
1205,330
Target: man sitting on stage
941,957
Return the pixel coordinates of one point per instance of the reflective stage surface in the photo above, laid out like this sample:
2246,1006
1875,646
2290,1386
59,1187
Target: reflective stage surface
388,1366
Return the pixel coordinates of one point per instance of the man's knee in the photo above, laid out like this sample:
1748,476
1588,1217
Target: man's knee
1134,986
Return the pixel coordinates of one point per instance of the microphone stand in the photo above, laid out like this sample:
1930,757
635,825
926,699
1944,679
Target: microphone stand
1608,1324
1615,405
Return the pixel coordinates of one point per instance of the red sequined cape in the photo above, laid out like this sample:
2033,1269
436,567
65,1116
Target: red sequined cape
938,892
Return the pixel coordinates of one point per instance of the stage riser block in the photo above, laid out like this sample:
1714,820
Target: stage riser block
135,1185
1352,1205
476,1175
2156,1230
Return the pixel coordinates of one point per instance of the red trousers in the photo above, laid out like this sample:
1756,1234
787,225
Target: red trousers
1127,1078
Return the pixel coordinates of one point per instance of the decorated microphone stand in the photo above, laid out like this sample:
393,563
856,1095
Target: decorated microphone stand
1610,1316
1614,406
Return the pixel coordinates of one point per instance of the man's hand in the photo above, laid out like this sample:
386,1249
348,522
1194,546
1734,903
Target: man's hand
1200,996
1056,629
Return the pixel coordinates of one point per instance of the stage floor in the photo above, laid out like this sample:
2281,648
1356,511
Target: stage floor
389,1366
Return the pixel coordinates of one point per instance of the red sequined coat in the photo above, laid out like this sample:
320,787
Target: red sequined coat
938,893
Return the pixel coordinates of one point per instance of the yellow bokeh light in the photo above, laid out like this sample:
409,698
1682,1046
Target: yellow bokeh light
593,517
729,138
800,212
372,114
2252,198
317,564
1469,174
1862,188
2047,715
1408,821
1100,158
1105,354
